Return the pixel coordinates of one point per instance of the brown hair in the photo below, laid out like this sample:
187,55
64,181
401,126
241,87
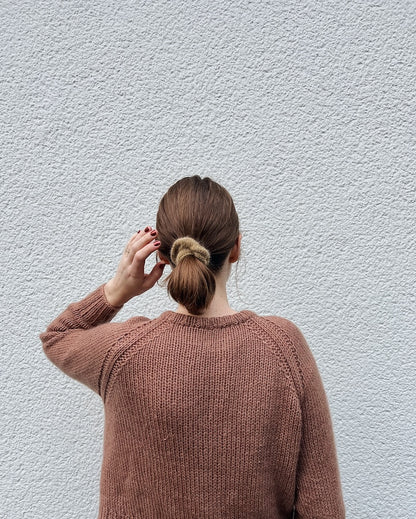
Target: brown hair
201,209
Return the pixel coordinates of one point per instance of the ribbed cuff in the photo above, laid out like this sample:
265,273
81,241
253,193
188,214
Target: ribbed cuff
95,308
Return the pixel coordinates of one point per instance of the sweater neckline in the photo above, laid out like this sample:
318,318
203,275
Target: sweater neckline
207,322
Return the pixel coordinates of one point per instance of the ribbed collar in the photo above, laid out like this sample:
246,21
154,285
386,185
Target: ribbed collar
207,322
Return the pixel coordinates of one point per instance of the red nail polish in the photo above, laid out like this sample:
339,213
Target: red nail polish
138,231
156,243
153,233
147,229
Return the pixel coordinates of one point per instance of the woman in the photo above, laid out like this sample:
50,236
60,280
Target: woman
209,412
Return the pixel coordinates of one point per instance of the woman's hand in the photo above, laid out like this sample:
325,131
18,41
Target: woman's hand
130,279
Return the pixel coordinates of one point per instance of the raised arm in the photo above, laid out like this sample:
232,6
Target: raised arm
81,339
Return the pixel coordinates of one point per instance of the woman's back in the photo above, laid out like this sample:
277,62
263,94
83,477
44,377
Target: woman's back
205,417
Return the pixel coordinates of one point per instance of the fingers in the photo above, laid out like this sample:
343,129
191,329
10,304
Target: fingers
143,252
153,276
130,244
139,234
143,245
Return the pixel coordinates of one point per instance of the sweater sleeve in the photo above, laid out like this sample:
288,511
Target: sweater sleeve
80,338
318,484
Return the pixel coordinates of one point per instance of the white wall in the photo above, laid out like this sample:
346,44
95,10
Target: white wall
305,111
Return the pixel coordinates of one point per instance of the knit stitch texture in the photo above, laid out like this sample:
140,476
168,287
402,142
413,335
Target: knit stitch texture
205,417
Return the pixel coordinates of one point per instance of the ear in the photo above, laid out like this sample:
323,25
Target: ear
235,251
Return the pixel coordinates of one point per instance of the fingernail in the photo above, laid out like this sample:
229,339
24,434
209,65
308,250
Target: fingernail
153,233
156,243
147,229
138,230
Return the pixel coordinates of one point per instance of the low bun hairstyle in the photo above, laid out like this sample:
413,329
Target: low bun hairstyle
197,227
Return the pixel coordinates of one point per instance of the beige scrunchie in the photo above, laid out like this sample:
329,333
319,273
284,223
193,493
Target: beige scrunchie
188,246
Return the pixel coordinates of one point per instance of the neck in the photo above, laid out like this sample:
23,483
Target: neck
219,305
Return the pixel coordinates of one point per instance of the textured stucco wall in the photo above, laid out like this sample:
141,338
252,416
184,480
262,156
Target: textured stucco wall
305,111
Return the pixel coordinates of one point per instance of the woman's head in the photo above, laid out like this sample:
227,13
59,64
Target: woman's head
197,226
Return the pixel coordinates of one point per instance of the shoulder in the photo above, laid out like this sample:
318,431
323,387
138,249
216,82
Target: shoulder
286,327
138,320
116,328
290,342
118,334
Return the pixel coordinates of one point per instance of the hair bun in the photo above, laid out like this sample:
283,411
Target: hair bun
188,246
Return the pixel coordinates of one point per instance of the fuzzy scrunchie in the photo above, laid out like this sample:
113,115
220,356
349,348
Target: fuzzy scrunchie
188,246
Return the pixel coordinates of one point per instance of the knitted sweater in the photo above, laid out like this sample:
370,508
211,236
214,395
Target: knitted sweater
205,417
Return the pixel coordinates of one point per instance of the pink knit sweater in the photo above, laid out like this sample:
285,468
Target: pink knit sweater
205,417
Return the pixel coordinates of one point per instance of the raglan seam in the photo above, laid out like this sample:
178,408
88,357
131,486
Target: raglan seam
289,341
111,354
118,361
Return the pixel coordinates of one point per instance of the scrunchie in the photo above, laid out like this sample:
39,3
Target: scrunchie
188,246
